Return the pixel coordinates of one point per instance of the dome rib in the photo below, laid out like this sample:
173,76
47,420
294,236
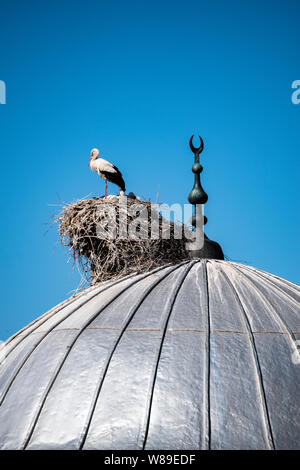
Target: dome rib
168,310
271,308
48,315
123,329
176,399
261,389
48,331
273,285
269,276
204,299
87,323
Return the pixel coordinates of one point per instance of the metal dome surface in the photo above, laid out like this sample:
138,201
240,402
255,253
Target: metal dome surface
200,355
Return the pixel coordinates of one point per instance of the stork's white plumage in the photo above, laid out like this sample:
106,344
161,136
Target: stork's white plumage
106,170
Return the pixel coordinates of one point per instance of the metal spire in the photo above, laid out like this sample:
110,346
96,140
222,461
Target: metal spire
201,246
197,195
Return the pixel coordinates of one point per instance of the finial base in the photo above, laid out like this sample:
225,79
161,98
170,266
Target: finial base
210,250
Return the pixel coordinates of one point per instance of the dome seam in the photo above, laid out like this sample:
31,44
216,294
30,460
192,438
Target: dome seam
261,390
176,289
130,317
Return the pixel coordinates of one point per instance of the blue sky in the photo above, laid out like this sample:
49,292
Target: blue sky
136,79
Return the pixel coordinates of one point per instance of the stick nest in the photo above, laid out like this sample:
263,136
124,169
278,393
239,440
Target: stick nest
113,256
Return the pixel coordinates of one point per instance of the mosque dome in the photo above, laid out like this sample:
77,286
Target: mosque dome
198,355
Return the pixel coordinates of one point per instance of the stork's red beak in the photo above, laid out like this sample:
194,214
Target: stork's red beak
90,161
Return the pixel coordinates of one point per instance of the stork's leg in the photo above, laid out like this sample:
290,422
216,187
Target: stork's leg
105,189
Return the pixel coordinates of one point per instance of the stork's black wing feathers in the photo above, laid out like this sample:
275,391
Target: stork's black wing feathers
115,178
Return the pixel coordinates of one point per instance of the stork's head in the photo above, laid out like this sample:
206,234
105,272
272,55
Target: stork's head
94,154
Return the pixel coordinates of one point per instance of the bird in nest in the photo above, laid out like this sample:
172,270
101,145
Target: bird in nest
106,170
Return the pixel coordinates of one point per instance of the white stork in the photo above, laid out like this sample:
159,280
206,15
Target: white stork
106,170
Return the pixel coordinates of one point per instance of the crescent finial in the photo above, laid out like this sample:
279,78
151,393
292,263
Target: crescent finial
195,149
